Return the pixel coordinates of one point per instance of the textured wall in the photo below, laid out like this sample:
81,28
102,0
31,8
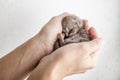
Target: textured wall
21,19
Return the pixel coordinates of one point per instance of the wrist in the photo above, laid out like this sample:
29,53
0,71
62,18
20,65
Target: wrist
43,41
39,45
47,70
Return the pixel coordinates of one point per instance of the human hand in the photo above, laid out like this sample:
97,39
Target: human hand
26,57
70,59
49,32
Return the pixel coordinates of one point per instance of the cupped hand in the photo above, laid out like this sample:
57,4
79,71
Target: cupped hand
70,59
50,31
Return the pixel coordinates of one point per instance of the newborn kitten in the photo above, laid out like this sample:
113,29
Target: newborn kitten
73,31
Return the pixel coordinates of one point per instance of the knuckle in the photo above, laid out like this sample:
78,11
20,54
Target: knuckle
84,71
65,13
93,66
54,17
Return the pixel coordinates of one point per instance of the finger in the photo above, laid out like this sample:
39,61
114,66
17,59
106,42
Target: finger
94,57
55,22
95,54
93,45
58,18
93,33
61,16
85,24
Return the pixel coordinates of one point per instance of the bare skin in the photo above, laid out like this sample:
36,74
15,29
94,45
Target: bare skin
31,57
21,61
75,58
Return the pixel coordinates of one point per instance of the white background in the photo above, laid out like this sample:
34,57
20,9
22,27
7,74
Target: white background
22,19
